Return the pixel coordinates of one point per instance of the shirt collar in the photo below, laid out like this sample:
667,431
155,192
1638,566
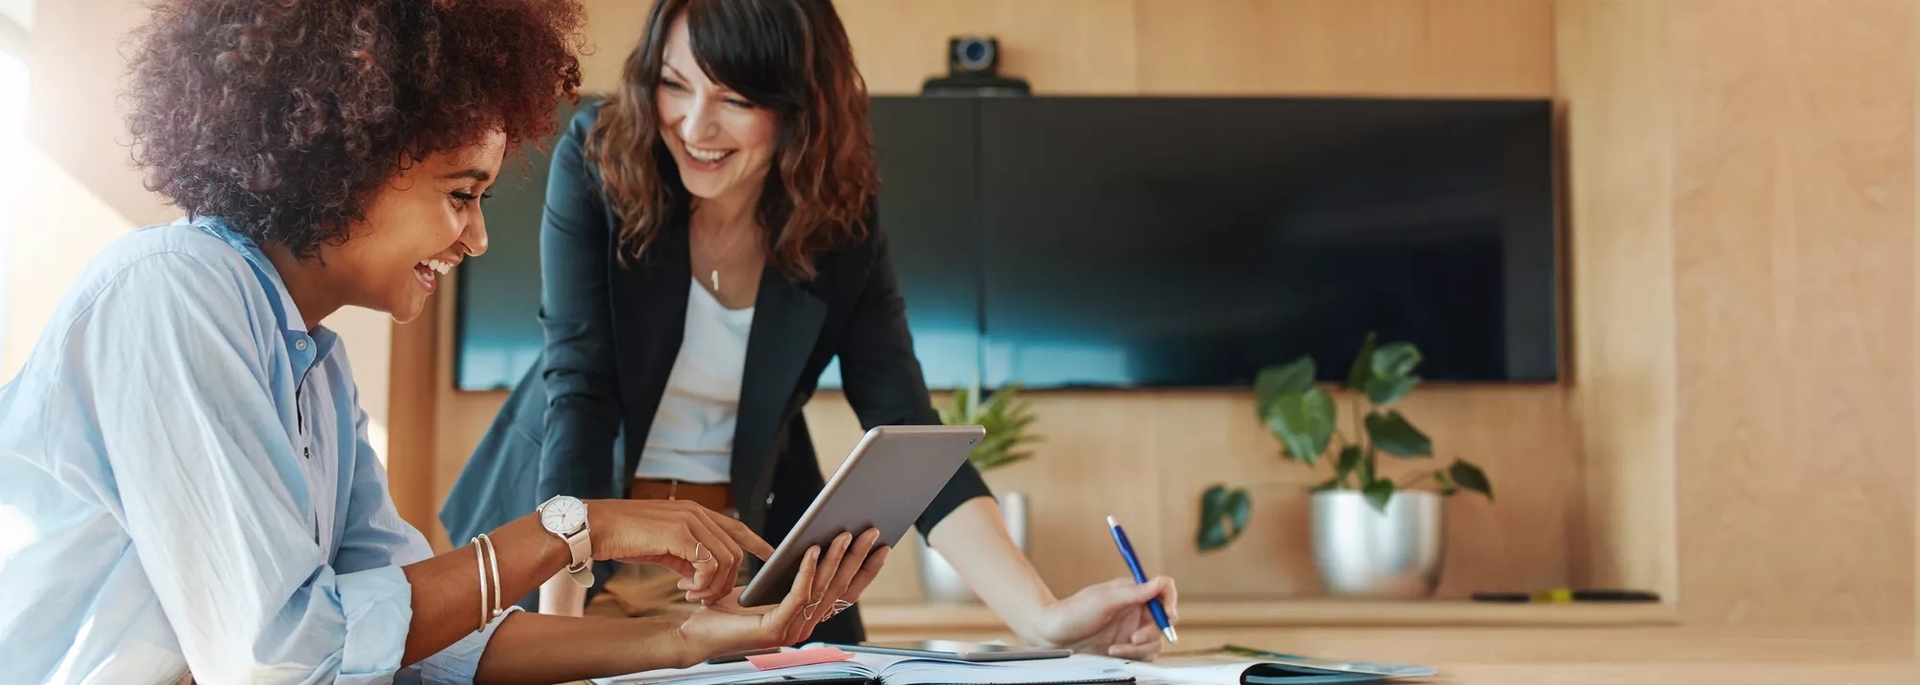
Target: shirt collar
306,347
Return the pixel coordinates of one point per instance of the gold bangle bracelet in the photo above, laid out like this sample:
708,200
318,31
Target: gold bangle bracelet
480,564
493,563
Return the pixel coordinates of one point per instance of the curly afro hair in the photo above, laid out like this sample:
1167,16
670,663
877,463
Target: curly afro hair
284,116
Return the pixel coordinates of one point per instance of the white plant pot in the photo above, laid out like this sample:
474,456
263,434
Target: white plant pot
1361,552
941,583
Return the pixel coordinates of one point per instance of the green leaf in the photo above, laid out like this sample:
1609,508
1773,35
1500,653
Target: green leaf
1349,460
1239,509
1470,477
1383,391
1004,415
1362,368
1303,423
1378,493
1392,434
1395,360
955,414
1223,516
1447,487
1293,378
1325,485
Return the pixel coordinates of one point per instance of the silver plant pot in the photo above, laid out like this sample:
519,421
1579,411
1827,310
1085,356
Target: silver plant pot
941,584
1361,552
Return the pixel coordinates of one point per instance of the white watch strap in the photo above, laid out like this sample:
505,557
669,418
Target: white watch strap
582,567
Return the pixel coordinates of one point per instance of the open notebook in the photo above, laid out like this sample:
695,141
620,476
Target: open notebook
1244,666
894,670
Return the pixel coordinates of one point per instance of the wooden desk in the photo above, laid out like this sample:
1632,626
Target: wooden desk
1677,674
900,621
1612,656
1662,655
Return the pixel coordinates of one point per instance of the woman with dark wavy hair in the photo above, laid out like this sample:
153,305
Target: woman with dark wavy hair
183,457
709,246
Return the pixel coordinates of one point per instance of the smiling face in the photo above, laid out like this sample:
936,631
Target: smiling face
423,222
722,143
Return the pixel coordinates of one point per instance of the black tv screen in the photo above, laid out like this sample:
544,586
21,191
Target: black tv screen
1188,242
929,207
1170,242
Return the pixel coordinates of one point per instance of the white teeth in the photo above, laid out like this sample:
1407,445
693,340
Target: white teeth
705,155
437,266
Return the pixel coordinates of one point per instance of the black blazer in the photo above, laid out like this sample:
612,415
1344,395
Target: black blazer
613,333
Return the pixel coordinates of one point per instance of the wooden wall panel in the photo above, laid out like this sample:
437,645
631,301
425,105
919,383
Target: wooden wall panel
1794,274
1612,77
1060,46
613,29
1341,47
1147,457
412,398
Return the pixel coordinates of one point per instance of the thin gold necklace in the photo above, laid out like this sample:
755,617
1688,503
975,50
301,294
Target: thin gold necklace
714,274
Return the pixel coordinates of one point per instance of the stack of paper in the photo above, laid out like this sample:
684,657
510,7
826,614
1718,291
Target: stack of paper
895,670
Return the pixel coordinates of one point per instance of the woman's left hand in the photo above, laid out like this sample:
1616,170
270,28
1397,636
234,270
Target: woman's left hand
1111,618
828,581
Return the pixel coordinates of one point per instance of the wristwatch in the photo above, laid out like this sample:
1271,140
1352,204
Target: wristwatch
566,517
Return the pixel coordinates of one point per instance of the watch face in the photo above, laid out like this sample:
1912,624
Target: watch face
564,516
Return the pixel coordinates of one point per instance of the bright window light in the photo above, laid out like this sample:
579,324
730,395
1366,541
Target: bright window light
13,115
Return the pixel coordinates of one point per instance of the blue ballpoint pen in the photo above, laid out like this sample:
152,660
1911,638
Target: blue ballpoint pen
1140,576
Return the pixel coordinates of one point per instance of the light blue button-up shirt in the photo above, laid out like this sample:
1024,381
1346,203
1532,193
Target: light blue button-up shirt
186,485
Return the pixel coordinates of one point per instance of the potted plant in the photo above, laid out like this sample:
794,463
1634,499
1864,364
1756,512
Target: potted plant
1007,419
1372,535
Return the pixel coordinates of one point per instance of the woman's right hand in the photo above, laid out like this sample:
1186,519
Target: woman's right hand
704,546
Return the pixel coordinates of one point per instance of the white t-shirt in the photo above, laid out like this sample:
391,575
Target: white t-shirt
692,436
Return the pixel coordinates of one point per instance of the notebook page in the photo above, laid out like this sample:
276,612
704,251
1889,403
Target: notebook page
1240,666
895,670
1199,669
743,673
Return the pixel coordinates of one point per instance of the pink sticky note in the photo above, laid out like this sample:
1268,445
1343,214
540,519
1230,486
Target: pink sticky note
799,657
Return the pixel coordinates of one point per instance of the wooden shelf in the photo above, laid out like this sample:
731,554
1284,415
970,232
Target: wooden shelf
1311,612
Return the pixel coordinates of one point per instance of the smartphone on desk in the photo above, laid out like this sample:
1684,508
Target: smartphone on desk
955,650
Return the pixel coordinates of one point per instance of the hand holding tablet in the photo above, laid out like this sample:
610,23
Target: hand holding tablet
843,569
884,486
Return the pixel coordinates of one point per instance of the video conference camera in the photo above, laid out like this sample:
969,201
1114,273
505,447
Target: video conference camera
973,70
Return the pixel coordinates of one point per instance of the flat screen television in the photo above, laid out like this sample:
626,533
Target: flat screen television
1134,242
1188,242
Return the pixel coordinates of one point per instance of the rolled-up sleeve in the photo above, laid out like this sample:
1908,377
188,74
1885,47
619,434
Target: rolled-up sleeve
378,540
208,489
377,606
457,663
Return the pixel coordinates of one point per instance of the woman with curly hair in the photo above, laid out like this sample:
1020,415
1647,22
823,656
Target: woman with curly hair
184,452
709,246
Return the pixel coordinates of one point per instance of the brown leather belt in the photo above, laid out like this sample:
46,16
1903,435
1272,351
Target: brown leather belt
715,496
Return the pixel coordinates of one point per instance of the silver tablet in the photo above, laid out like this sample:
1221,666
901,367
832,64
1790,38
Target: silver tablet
954,650
886,483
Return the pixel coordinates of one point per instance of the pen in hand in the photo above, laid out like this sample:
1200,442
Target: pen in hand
1140,576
